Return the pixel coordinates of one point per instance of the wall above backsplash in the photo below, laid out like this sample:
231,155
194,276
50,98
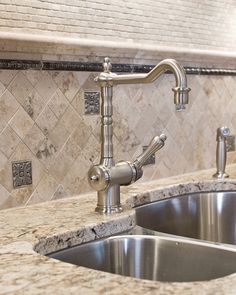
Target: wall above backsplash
135,30
51,51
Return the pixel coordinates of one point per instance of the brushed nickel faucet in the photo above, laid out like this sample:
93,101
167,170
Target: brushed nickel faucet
221,152
107,177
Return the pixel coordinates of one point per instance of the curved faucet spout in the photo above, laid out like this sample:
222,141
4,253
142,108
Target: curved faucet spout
180,90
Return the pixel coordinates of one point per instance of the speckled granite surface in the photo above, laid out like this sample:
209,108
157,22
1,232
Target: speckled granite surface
55,225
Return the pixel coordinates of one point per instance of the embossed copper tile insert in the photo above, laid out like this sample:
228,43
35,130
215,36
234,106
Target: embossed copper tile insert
92,102
21,173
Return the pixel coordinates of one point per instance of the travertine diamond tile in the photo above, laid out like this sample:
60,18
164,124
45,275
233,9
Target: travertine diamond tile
8,107
65,159
21,123
81,134
8,141
34,76
44,191
46,87
6,76
33,104
34,139
4,195
47,120
20,87
71,119
22,195
58,103
60,193
67,82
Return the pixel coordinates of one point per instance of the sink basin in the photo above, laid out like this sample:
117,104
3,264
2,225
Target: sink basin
204,216
152,258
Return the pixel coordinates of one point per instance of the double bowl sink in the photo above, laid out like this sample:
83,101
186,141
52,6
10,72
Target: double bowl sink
185,238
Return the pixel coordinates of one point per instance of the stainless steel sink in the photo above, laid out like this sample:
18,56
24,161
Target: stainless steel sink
153,258
204,216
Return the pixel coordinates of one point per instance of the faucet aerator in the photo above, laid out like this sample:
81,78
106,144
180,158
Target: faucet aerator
181,97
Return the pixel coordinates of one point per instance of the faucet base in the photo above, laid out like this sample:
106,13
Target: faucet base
109,200
108,210
220,175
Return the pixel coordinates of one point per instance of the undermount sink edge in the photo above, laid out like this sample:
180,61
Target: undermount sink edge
204,216
150,196
153,194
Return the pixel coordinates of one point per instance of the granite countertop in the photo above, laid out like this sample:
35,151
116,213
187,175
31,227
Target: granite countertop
54,225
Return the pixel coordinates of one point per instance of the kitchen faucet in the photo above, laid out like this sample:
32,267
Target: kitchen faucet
107,177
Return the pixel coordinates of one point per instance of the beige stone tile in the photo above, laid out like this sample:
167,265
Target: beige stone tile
4,195
8,141
89,83
60,193
2,88
229,82
120,154
8,107
10,202
21,123
33,76
65,159
68,83
33,104
81,76
82,134
122,102
46,152
58,103
21,195
78,102
71,119
47,120
75,179
3,160
44,191
34,139
46,87
91,150
5,173
20,87
59,135
6,76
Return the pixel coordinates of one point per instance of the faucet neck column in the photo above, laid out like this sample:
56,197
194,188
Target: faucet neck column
108,199
106,127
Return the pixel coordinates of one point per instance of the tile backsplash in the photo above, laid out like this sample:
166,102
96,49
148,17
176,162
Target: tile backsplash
43,120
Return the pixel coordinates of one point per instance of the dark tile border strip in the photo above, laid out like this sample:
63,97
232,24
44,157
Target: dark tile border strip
7,64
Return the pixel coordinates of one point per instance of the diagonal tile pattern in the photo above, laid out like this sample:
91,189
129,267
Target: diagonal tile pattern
42,119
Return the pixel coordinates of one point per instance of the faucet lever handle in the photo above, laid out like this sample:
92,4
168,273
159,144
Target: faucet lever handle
155,144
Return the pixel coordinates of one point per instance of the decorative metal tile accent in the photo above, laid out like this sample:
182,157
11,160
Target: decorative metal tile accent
21,173
97,67
151,160
92,102
230,143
